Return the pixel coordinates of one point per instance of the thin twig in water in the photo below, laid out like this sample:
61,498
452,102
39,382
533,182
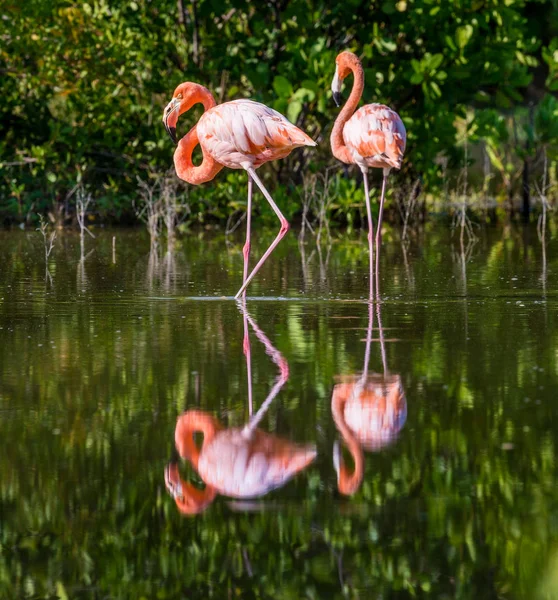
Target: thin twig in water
48,239
228,228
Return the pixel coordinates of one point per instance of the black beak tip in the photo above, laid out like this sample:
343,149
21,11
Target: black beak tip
172,134
337,98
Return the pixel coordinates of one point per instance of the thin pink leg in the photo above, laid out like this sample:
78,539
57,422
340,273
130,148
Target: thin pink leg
246,249
357,390
370,231
280,235
382,340
277,358
368,338
247,352
379,232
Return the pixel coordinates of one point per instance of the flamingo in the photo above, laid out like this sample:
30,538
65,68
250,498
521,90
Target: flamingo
373,136
239,462
240,134
369,412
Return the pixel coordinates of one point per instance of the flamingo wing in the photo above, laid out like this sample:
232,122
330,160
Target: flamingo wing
243,131
376,136
242,467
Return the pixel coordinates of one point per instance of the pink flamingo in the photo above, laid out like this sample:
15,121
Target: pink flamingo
373,136
241,134
240,462
369,412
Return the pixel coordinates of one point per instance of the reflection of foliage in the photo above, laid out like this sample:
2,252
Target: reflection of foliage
464,505
83,85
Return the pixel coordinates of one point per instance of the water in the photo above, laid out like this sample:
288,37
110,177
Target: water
458,494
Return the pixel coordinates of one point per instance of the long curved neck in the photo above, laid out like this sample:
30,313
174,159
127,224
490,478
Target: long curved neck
185,168
189,500
348,483
338,148
189,423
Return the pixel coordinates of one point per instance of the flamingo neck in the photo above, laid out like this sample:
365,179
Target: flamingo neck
189,499
189,423
348,483
338,147
193,500
184,166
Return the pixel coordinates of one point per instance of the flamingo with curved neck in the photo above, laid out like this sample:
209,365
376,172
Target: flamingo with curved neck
369,412
372,136
240,134
240,462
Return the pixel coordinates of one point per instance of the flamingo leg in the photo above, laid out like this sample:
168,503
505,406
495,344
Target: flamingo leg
280,235
246,249
382,340
379,232
370,230
277,358
248,354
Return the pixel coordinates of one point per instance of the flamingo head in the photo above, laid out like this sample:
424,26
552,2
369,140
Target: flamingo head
189,500
173,482
185,96
344,63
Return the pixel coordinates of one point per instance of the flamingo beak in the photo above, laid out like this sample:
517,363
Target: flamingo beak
172,482
337,458
336,88
170,118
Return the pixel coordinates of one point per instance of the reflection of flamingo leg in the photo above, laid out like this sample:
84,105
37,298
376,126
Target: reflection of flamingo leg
382,340
277,358
248,354
362,381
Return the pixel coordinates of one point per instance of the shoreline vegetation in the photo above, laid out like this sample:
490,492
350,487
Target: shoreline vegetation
83,87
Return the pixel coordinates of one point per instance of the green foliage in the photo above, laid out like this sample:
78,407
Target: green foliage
83,85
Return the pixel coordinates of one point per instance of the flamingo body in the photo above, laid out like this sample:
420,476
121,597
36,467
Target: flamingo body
237,462
242,466
376,415
244,131
375,137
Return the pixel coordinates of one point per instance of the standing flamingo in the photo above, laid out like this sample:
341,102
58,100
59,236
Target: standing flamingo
373,136
369,412
240,462
241,134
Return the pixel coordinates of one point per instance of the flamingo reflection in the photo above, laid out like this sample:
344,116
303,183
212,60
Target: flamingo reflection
239,462
369,411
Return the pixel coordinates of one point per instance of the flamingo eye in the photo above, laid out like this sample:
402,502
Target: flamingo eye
179,97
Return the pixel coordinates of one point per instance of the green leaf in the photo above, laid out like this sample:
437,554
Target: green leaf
304,95
282,86
436,88
435,61
61,591
463,35
494,159
293,110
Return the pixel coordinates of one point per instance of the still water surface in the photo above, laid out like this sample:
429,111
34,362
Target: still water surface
397,450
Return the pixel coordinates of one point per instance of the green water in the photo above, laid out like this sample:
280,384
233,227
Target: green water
98,358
